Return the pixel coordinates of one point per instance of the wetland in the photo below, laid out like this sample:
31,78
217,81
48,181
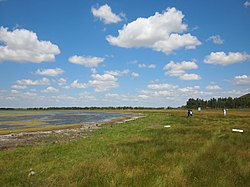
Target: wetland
16,120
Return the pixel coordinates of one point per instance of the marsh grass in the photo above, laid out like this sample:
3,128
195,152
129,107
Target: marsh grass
197,151
38,128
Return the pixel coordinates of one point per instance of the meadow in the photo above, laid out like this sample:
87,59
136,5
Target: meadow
200,150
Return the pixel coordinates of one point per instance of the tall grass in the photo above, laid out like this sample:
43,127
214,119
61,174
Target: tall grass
197,151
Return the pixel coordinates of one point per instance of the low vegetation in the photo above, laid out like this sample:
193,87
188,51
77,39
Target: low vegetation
197,151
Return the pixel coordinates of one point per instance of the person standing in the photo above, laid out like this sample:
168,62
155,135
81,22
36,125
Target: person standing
191,113
225,112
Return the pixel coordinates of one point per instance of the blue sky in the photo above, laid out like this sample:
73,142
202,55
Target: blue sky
122,53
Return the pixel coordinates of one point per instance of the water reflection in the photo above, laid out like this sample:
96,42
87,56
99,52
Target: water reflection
57,118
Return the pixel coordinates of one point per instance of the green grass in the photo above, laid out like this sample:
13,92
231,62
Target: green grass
197,151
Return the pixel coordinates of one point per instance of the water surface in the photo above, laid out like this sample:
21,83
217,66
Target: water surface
12,120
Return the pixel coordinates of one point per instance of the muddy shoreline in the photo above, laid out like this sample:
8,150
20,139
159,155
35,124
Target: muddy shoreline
18,139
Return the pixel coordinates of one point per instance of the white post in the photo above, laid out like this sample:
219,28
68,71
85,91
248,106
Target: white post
237,130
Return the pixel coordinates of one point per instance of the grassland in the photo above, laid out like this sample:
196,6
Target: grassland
197,151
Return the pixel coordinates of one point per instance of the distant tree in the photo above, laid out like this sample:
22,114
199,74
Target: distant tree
229,102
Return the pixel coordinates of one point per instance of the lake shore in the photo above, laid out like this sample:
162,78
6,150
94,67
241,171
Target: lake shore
142,152
56,134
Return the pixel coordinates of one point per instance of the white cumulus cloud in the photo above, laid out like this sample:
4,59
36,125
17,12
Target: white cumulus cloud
88,96
189,77
150,66
216,39
242,80
50,89
118,72
160,32
112,95
247,4
29,82
19,87
22,45
61,82
105,14
159,90
162,86
134,74
49,72
87,61
190,90
179,70
221,58
213,87
76,84
103,82
15,92
163,93
143,96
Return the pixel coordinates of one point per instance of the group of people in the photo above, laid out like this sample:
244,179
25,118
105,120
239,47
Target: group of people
190,112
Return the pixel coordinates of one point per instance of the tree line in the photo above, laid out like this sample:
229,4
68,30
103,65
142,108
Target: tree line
227,102
88,108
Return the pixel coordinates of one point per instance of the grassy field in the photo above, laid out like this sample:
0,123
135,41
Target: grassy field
197,151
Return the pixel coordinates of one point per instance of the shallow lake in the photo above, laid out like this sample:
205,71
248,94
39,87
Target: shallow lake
19,120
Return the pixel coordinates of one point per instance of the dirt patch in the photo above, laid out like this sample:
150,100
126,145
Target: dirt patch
45,137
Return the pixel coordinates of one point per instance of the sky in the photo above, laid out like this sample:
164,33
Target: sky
154,53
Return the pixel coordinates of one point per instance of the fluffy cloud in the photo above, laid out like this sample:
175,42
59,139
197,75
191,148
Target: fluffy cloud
19,87
216,39
161,86
133,74
179,70
63,98
87,61
22,45
112,95
159,90
150,66
161,32
224,59
29,95
15,92
50,89
247,4
143,96
29,82
105,14
76,84
242,80
156,93
118,72
50,72
213,87
189,77
193,91
163,93
190,90
103,82
61,82
86,95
